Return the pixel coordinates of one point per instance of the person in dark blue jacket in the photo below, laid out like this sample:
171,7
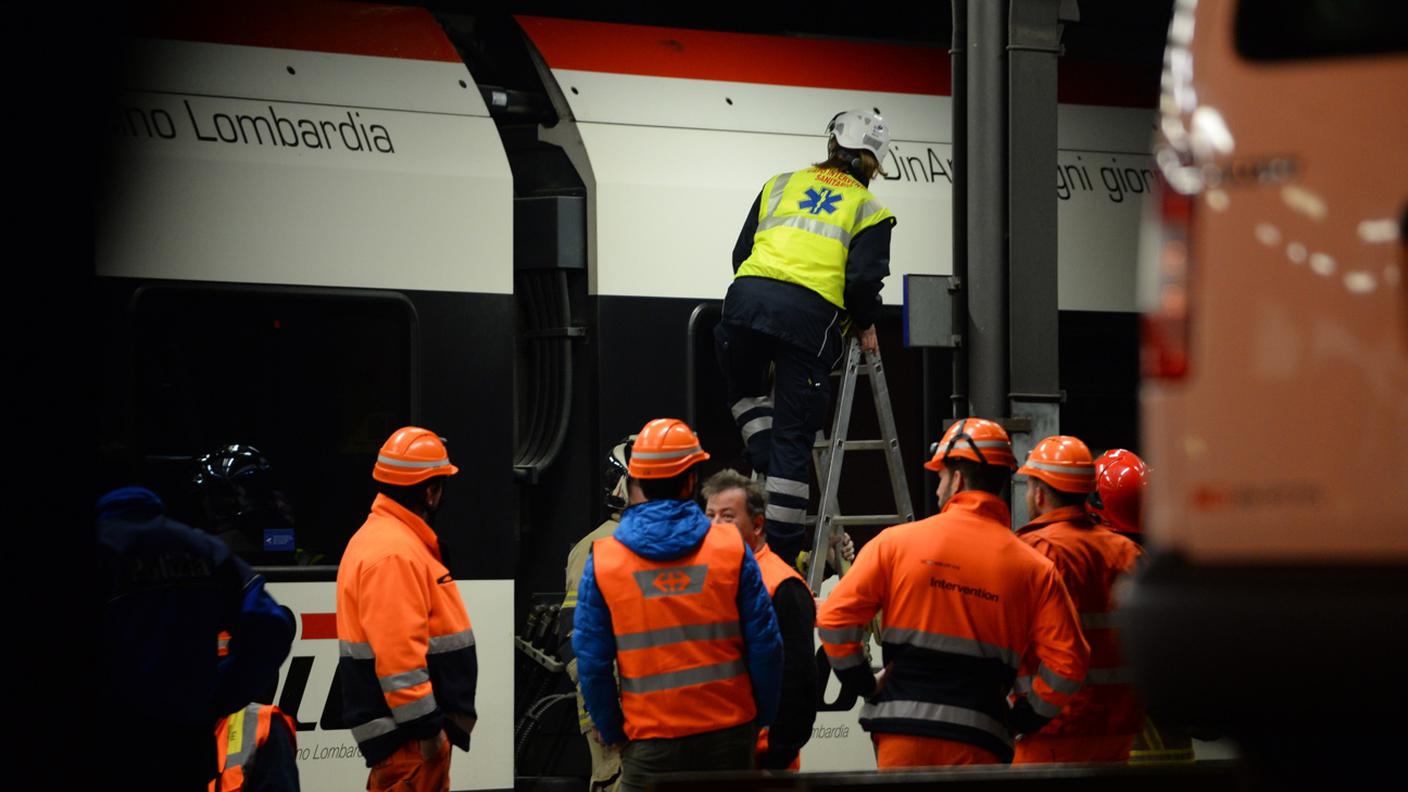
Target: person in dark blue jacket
167,592
680,606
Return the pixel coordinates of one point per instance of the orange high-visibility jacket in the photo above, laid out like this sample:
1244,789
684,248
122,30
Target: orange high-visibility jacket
1090,559
963,601
679,645
775,571
238,738
406,650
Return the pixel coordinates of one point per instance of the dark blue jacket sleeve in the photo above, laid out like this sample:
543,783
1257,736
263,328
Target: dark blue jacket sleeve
761,637
261,634
743,248
867,265
594,641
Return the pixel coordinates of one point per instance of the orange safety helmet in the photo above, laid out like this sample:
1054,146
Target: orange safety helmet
1120,480
1063,462
664,448
975,439
412,455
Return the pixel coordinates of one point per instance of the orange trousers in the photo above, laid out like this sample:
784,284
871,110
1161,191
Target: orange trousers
408,771
1037,748
898,751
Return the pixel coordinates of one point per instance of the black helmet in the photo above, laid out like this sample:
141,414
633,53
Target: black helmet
236,483
615,474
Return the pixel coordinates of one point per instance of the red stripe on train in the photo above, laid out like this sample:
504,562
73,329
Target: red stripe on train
312,25
318,626
805,62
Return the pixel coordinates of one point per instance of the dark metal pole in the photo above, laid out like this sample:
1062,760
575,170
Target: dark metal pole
1031,61
986,178
958,81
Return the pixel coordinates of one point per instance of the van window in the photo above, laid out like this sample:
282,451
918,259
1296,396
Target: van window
1299,29
315,380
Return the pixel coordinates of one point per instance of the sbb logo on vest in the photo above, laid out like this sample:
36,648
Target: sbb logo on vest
671,581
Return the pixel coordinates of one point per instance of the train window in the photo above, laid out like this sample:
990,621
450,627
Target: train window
1298,29
315,380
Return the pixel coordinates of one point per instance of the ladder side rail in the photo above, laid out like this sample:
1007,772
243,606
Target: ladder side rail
899,483
816,565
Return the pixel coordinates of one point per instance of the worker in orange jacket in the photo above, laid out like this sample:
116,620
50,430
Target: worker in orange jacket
677,605
1099,722
963,601
736,501
1121,478
406,650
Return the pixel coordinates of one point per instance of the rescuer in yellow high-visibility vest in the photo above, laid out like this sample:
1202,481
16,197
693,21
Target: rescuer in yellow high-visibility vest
808,265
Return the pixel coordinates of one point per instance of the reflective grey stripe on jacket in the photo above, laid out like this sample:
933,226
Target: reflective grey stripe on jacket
415,709
717,631
810,225
653,683
1057,682
449,643
400,681
355,650
937,713
841,635
779,186
373,729
949,643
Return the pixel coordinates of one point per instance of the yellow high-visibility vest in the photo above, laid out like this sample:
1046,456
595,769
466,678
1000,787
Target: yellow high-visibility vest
806,221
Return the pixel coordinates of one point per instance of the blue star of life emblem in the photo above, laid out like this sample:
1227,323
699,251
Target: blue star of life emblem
818,202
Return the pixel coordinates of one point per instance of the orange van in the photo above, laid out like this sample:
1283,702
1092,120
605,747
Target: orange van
1275,395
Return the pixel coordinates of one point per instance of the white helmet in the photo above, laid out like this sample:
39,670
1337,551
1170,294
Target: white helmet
861,129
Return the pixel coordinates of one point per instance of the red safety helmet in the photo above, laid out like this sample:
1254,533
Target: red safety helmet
665,448
1120,480
1063,462
412,455
975,439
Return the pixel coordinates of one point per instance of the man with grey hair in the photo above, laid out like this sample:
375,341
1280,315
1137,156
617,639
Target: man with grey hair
736,500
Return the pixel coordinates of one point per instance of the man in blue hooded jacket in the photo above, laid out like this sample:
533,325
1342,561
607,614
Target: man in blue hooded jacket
167,592
679,607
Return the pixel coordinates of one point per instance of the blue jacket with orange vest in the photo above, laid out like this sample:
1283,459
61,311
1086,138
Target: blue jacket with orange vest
663,530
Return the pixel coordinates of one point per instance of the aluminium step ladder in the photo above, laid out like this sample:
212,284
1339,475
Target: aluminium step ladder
829,452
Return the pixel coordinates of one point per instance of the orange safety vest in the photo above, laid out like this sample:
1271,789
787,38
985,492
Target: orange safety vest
775,570
238,738
679,644
1090,559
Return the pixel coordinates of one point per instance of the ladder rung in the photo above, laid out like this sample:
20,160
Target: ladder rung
863,519
855,445
869,519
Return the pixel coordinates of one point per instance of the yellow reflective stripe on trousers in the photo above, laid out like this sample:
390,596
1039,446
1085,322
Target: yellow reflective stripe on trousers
655,683
937,713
